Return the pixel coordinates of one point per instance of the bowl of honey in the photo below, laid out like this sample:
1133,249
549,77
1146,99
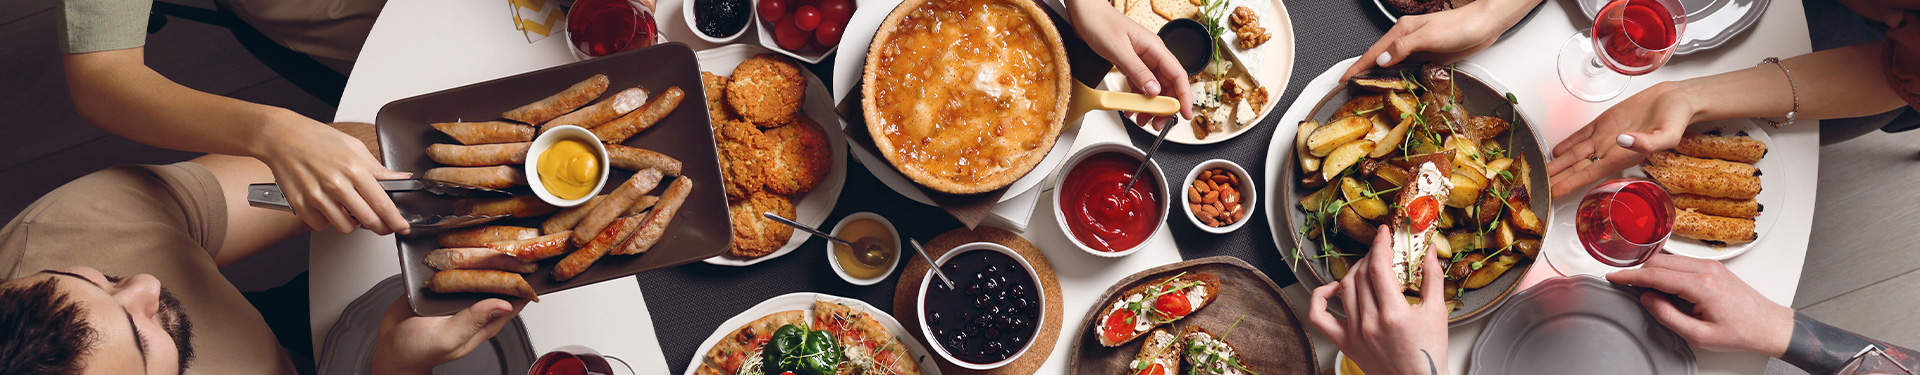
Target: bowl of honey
875,252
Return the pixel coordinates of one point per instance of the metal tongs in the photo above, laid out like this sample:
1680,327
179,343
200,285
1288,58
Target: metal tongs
269,195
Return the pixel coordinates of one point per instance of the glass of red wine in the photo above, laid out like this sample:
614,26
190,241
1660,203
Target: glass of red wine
1621,223
578,360
1629,37
603,27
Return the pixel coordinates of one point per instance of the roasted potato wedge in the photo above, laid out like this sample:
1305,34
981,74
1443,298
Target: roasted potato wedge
1360,106
1482,127
1337,133
1383,83
1466,240
1529,247
1379,131
1391,141
1490,271
1308,163
1313,181
1356,228
1447,219
1316,201
1394,174
1345,156
1402,106
1338,266
1443,115
1440,247
1371,208
1520,214
1464,267
1502,236
1466,190
1439,79
1485,211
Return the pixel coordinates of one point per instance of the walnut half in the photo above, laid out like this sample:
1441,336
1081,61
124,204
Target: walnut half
1253,37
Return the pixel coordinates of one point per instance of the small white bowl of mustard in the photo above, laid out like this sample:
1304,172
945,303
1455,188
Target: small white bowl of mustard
566,166
853,228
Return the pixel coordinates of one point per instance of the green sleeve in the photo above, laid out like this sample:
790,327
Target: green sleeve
103,25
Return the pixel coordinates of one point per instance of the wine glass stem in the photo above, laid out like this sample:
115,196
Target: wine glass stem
1594,67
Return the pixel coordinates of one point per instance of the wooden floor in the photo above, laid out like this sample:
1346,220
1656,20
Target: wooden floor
1862,272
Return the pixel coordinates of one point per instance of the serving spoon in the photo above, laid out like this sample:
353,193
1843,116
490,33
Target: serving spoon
867,250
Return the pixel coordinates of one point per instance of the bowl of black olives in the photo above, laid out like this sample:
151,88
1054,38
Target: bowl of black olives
718,21
991,314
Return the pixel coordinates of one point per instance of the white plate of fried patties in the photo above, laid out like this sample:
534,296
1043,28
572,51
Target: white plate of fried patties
775,155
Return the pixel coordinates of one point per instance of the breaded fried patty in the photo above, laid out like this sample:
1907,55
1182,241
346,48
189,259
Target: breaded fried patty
754,235
766,89
799,156
716,87
741,146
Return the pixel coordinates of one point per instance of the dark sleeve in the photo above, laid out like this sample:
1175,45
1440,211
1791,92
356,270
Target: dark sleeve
1819,348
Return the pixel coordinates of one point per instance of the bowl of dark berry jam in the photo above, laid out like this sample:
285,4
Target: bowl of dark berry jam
718,21
991,315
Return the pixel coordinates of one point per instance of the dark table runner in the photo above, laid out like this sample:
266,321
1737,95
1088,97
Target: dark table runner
689,302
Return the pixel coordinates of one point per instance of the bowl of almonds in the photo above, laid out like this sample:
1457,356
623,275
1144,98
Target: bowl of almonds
1219,195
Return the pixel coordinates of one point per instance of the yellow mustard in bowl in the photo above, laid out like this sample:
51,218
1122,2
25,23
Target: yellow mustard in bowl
569,169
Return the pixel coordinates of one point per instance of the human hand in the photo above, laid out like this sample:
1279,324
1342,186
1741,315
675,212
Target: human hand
1714,309
1448,35
410,344
1383,333
1137,52
330,178
1647,122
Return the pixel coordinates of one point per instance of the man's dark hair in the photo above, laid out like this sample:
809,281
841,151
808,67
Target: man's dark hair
41,331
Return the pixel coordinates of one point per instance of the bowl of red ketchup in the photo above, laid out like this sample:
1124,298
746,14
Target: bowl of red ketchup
1094,208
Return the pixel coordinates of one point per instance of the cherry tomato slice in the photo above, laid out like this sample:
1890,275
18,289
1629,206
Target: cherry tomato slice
1422,212
1154,369
1119,326
1173,305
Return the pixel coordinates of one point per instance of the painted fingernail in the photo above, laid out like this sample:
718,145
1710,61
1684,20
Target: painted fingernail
1624,140
1384,58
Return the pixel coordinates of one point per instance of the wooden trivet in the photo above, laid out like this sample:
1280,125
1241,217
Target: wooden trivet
905,296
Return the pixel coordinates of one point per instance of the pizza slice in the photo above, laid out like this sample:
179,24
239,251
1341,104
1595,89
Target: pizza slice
742,347
867,347
1139,310
1160,355
1420,204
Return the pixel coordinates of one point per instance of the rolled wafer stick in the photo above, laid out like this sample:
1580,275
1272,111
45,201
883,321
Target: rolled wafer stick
1674,159
1734,208
615,205
655,225
579,260
620,129
477,258
495,177
1741,149
560,103
490,132
1704,227
1705,182
481,235
479,155
599,113
635,159
534,249
520,206
481,281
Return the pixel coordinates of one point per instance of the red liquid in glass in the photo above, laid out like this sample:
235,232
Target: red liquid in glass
565,363
1102,215
604,27
1635,36
1622,222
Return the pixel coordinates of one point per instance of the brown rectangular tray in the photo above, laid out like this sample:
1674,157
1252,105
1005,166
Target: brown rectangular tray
1272,340
701,230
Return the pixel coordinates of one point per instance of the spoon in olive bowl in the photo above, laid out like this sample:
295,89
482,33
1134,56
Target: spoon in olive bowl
867,250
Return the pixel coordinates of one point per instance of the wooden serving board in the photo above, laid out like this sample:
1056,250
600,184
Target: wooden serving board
1270,339
905,296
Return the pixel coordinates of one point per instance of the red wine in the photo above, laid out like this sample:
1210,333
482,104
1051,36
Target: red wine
1622,222
604,27
1636,36
571,360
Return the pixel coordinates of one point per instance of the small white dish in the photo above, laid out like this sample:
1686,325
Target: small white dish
692,19
767,40
927,279
546,140
1248,196
833,257
1153,170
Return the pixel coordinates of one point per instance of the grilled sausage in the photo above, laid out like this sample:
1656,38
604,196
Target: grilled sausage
495,177
479,155
560,103
636,159
490,132
618,130
521,206
481,281
479,236
655,225
534,249
615,205
477,258
598,113
602,243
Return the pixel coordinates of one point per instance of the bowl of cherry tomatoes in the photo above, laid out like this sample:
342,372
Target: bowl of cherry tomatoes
807,30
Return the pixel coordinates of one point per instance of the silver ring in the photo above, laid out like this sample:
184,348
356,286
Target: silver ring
1594,158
